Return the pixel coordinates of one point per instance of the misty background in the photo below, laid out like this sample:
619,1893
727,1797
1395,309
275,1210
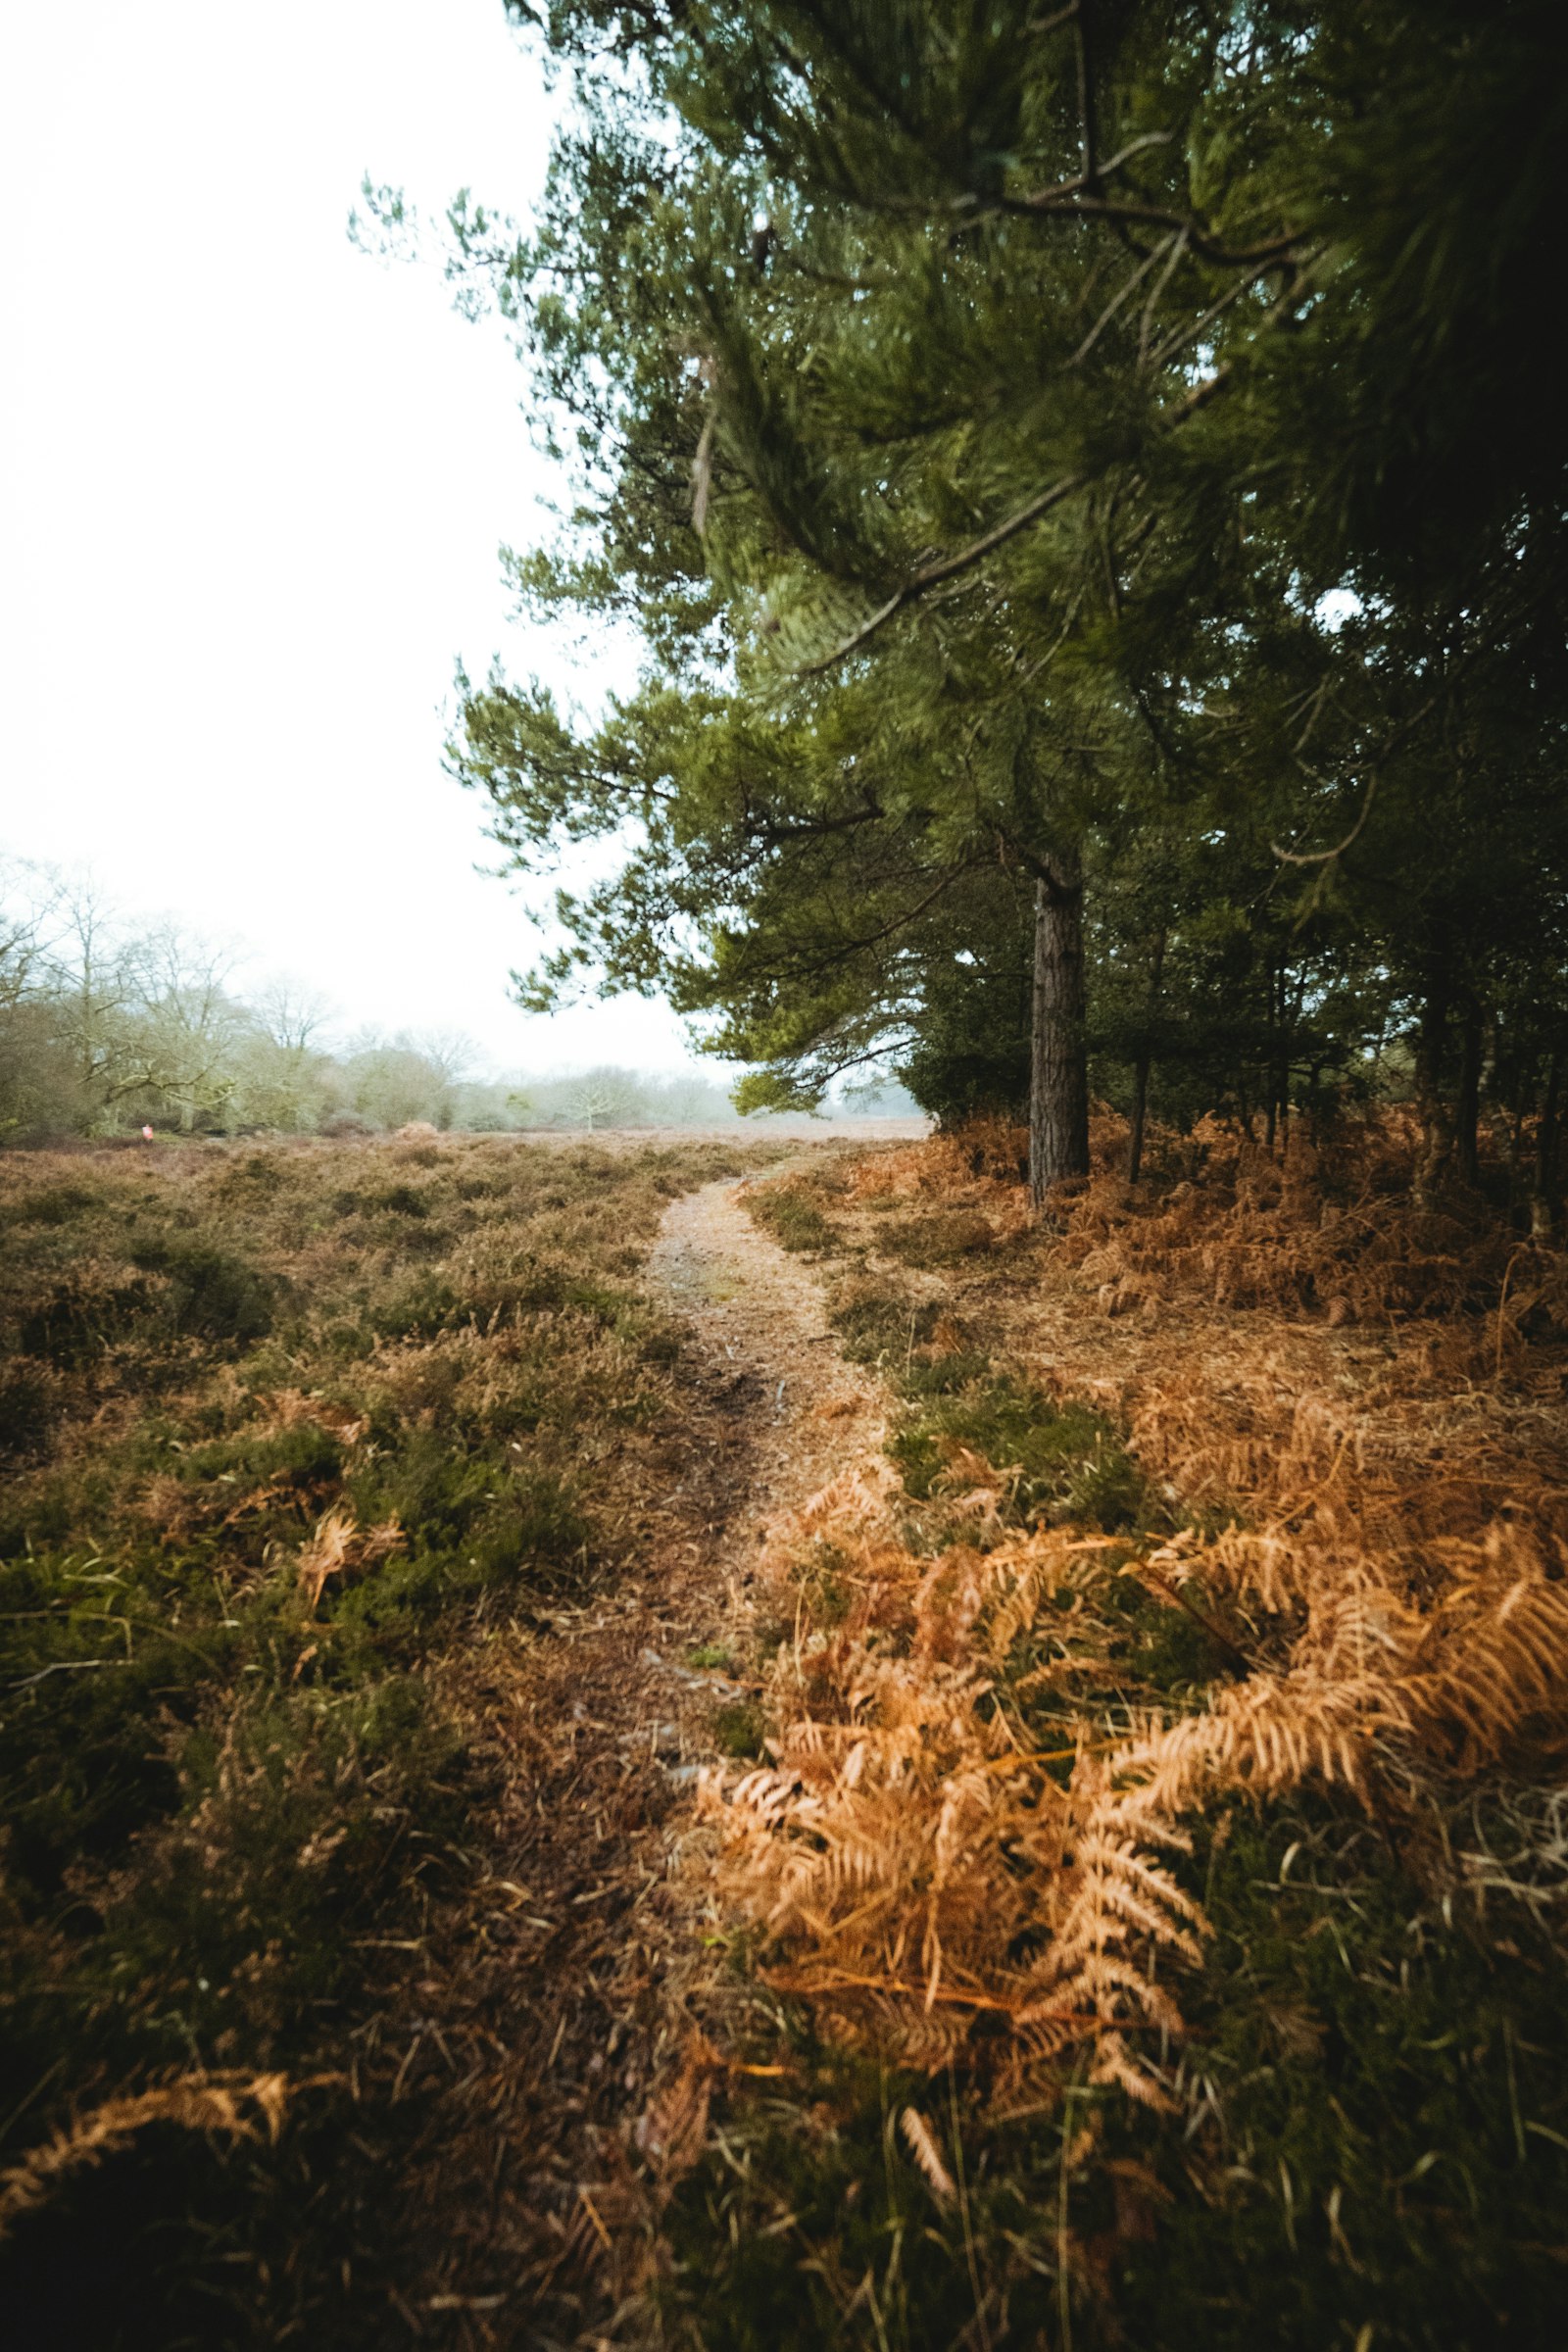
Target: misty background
252,486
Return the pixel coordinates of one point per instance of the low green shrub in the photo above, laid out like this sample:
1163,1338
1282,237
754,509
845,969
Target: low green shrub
1060,1461
795,1222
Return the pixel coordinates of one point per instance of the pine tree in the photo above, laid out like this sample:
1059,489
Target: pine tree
990,419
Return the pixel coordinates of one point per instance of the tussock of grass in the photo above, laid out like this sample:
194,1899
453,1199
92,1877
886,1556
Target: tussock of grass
790,1213
940,1239
878,1326
1055,1462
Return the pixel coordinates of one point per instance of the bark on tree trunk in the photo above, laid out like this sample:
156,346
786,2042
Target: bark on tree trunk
1273,1061
1437,1119
1135,1136
1058,1076
1467,1114
1543,1198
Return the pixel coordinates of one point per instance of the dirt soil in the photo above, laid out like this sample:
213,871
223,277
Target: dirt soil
555,2063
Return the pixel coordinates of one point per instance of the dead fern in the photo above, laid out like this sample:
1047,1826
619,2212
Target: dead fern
338,1548
197,2102
1380,1567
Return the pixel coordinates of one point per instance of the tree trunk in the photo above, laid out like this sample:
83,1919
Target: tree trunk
1270,1083
1289,1018
1467,1113
1271,1072
1437,1119
1058,1073
1134,1137
1543,1198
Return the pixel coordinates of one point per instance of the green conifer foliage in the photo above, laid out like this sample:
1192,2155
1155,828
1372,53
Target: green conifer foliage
1103,458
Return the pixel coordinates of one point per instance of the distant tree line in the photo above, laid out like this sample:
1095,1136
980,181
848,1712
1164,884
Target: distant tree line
106,1028
1090,484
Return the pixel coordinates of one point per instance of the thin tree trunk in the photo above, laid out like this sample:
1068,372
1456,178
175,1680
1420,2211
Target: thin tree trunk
1467,1110
1543,1198
1437,1119
1271,1074
1058,1076
1290,1016
1134,1139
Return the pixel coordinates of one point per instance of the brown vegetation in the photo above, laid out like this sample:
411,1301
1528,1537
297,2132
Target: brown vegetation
1162,1800
336,1473
967,1820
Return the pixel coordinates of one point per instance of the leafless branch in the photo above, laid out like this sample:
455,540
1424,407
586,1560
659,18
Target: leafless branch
1040,25
1326,857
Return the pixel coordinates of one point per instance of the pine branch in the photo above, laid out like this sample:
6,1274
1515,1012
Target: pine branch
932,575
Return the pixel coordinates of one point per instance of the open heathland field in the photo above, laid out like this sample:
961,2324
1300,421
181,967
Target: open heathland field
588,1756
308,1447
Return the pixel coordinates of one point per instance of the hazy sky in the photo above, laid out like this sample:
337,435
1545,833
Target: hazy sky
251,484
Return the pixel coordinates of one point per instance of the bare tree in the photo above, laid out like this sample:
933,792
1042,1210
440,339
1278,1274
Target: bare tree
183,1040
292,1013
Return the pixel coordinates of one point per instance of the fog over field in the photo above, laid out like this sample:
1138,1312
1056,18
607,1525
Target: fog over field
109,1027
253,486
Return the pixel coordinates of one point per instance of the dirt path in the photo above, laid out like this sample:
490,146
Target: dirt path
570,2000
757,1318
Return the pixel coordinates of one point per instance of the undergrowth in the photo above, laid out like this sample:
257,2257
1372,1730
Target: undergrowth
285,1426
1152,1906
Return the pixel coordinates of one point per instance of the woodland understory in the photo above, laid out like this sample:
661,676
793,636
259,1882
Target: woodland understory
1118,1891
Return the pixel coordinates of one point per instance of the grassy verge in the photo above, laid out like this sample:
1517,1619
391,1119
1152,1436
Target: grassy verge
285,1427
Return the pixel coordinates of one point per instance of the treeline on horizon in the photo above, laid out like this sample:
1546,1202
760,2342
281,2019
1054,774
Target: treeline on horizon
106,1028
1090,485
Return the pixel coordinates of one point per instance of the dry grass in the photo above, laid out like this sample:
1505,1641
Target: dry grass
310,1447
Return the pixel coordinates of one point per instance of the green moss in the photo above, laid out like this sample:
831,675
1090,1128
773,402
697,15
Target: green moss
1061,1460
943,1375
740,1728
877,1325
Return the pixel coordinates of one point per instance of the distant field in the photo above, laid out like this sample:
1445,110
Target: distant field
282,1426
785,1127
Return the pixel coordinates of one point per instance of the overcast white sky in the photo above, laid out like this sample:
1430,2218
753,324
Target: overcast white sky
251,484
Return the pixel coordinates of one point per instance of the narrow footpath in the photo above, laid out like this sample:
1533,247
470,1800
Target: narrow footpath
570,1997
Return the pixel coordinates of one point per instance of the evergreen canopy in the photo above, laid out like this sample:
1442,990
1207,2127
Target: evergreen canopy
1089,486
